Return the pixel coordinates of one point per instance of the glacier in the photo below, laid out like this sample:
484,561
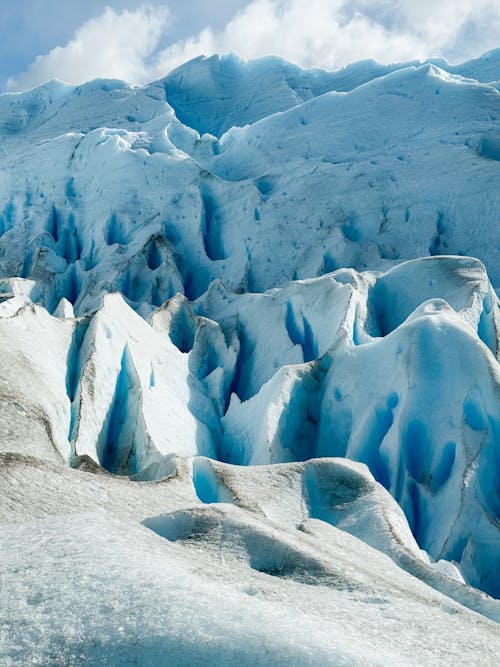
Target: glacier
250,381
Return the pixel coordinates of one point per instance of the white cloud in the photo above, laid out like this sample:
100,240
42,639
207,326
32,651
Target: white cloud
327,33
112,45
331,33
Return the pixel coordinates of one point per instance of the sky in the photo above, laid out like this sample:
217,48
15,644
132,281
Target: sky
139,41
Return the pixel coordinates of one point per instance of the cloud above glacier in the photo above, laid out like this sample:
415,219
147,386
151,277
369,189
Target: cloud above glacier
133,44
114,44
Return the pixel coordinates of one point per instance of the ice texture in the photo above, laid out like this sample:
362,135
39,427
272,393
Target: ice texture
222,582
250,381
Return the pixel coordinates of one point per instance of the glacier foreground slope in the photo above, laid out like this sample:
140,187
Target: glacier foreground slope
255,578
251,379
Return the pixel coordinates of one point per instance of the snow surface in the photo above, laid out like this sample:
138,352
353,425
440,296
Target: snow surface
223,91
219,583
251,306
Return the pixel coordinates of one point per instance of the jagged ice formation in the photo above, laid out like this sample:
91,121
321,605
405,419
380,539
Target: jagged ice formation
254,306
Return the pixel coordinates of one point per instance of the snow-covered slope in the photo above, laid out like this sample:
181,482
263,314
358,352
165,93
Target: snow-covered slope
219,583
276,346
223,91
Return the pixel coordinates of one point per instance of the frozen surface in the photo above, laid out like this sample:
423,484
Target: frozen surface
102,188
250,373
216,583
214,94
198,610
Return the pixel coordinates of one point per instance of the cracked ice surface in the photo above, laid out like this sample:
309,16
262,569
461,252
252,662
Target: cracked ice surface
282,412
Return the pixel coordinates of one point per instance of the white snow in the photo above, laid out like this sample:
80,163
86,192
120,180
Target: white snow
217,583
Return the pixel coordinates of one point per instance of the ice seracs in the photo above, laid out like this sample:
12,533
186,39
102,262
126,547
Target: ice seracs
104,189
252,308
276,377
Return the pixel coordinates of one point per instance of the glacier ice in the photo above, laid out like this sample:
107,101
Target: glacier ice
207,582
214,94
250,377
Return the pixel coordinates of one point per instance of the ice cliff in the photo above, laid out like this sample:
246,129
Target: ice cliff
252,308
